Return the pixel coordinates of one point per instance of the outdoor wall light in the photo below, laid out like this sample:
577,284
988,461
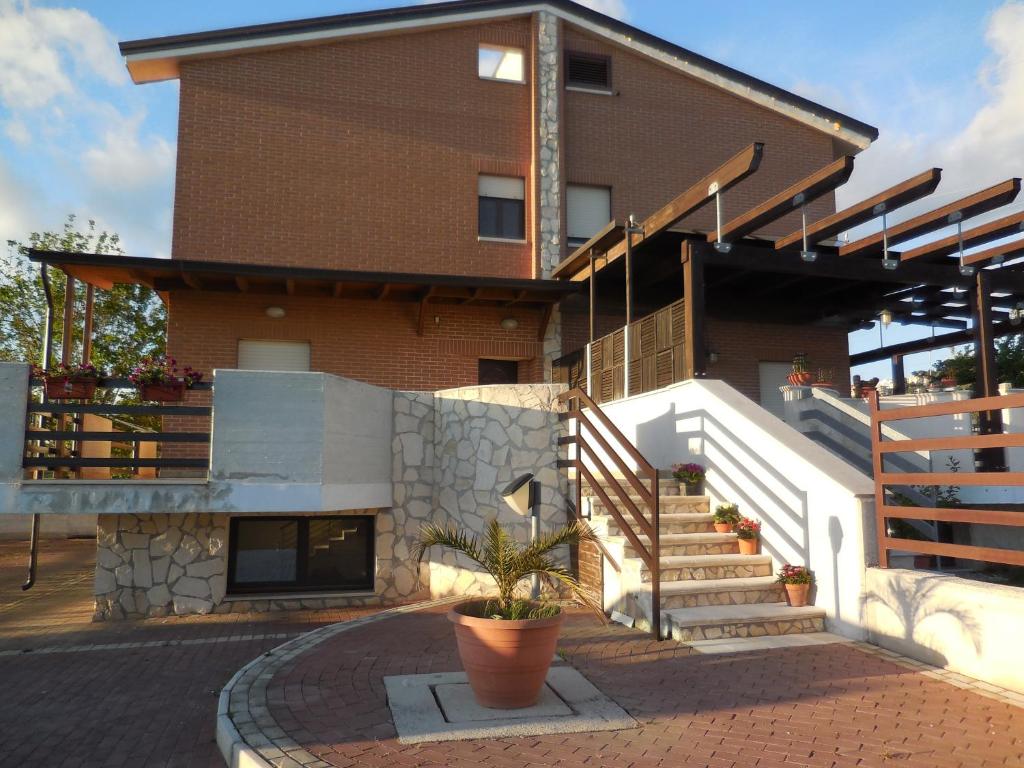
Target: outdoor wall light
712,357
886,317
509,323
274,313
809,256
522,494
890,264
967,270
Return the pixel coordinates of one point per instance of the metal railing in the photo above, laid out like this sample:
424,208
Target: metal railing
886,509
68,438
630,515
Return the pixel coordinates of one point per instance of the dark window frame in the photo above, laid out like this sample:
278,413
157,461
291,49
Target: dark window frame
594,58
301,583
509,212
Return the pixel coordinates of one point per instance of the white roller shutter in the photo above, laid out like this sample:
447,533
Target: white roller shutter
260,355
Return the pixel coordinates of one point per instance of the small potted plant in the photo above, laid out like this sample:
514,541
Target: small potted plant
691,476
157,379
748,532
506,643
726,516
824,379
70,382
800,377
869,386
797,580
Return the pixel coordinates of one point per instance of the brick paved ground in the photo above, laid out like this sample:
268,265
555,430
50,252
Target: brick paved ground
63,702
828,705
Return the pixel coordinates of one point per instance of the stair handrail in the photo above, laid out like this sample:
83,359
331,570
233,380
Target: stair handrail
650,554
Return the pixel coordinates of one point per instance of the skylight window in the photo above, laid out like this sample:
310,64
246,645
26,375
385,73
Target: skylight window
499,63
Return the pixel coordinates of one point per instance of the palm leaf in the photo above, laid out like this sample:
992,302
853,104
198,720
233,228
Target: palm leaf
432,535
573,533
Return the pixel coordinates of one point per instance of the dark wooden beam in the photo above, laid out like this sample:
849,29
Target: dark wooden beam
1006,250
338,290
986,381
382,292
981,235
989,199
608,235
67,337
473,296
806,190
421,318
289,286
545,318
90,299
696,197
940,341
891,199
899,375
192,281
242,284
693,309
520,295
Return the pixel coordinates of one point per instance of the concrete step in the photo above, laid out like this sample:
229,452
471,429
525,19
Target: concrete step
757,620
715,592
766,643
704,567
673,544
669,504
674,522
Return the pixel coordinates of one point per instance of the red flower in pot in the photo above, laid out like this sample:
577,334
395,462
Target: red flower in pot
70,382
157,378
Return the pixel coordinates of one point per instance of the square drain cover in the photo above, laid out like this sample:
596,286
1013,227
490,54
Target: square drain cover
441,707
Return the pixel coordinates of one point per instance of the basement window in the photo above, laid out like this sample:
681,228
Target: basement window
495,62
301,554
588,72
501,208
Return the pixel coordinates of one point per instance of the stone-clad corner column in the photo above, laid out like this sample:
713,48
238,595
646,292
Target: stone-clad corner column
548,170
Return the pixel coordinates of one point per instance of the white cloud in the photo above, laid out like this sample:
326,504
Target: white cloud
988,148
614,8
125,159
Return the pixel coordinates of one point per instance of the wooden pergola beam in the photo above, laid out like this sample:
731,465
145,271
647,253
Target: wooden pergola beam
980,202
982,235
421,318
924,345
727,175
806,190
1007,250
242,284
891,199
608,235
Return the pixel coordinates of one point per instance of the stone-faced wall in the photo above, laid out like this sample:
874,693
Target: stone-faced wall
155,565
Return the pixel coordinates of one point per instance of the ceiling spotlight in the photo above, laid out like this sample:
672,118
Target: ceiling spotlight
509,323
890,264
809,256
886,317
967,270
722,247
274,313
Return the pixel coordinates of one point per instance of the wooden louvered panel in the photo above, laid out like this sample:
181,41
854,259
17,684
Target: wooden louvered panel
663,320
648,374
648,336
678,321
635,347
635,378
607,391
663,369
617,355
596,356
679,372
619,382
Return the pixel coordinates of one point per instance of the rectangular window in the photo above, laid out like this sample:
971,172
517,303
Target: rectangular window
501,207
261,355
289,554
495,62
588,71
497,371
587,209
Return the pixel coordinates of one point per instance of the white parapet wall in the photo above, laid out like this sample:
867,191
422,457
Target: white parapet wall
969,627
815,508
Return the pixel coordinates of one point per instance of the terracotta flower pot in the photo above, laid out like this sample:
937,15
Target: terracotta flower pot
801,379
723,527
506,661
63,388
749,546
796,594
694,489
172,392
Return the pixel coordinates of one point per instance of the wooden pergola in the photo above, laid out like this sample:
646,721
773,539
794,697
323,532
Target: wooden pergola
807,277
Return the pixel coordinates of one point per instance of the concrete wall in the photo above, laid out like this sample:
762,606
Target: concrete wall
816,510
967,626
13,404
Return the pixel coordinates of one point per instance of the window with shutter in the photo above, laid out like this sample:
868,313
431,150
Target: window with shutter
588,71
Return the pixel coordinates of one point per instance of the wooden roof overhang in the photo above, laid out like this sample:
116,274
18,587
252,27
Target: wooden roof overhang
165,275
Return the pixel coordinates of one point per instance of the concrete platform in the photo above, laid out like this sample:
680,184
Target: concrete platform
441,707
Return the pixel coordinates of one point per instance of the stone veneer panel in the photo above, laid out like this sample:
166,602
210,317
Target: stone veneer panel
549,183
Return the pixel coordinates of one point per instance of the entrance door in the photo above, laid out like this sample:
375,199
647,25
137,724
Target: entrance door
772,376
498,372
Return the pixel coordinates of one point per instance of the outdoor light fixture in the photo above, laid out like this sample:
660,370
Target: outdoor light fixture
522,494
886,317
806,254
720,246
509,323
887,263
274,313
1017,314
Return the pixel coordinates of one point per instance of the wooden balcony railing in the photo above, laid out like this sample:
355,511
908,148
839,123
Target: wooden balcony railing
107,437
636,518
886,509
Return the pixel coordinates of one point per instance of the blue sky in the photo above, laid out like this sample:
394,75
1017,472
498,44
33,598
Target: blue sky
942,80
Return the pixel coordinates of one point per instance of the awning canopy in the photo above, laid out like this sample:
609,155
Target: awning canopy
164,275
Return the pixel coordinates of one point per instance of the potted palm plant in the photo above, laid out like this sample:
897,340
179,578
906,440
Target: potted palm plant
70,381
797,580
157,379
506,642
749,534
726,516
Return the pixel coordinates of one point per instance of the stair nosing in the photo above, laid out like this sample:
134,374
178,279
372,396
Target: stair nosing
702,586
772,612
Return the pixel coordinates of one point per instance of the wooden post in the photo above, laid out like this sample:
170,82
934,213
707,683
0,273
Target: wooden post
986,378
693,309
593,295
881,534
899,375
87,326
67,340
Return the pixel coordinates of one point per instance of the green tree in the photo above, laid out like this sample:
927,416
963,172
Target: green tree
129,321
961,365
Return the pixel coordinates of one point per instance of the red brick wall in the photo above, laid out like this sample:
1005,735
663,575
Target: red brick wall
357,155
365,340
662,131
742,346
